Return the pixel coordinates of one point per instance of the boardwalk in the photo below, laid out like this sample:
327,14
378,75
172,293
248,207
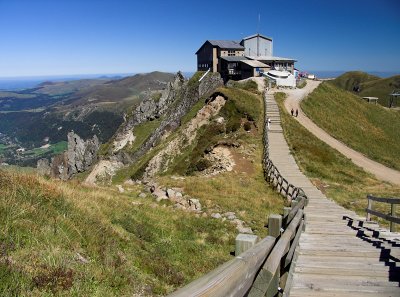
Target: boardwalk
335,257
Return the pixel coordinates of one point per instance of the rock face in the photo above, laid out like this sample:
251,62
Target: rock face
81,154
78,158
175,102
148,110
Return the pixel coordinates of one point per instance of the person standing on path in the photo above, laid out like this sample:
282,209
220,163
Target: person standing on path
297,112
292,111
269,123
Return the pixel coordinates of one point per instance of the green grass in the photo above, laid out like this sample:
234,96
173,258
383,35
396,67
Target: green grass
369,85
351,79
248,85
142,132
55,149
367,128
132,245
330,171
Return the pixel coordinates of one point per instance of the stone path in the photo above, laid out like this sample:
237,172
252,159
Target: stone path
335,257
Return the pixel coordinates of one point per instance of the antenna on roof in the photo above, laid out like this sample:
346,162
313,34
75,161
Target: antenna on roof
258,35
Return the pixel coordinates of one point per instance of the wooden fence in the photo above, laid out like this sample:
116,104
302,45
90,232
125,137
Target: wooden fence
265,268
392,218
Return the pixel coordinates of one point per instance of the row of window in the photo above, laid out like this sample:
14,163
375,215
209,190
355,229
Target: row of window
203,66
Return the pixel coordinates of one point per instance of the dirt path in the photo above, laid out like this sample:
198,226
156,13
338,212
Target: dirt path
380,171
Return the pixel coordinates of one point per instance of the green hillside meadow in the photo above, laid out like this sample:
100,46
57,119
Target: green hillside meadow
370,129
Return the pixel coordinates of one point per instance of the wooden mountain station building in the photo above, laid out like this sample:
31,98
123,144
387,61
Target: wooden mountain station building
252,56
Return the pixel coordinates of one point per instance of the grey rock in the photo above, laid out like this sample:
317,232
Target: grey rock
194,204
159,194
120,189
171,193
43,167
129,182
216,215
142,195
81,259
81,154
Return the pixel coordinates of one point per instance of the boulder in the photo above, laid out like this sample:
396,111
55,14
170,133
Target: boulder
194,204
81,154
43,167
216,215
120,189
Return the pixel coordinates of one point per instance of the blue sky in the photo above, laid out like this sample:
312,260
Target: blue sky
64,37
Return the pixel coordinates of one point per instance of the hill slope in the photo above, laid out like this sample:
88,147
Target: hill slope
364,84
369,129
66,239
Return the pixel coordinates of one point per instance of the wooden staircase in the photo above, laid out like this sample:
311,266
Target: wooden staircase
338,254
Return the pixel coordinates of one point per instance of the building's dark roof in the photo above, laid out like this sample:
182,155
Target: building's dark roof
233,58
224,44
255,35
228,44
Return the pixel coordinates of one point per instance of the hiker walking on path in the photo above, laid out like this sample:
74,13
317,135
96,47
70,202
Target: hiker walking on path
292,111
297,112
269,123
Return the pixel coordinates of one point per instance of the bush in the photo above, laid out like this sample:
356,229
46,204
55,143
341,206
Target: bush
247,126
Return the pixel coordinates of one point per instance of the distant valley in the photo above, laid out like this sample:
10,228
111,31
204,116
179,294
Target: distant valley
34,122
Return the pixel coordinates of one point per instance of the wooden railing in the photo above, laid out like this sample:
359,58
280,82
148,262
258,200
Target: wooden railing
392,218
264,269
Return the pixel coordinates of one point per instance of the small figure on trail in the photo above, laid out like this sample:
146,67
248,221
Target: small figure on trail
269,123
297,112
292,111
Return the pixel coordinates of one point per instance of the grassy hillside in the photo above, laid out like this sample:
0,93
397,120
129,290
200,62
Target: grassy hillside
329,170
369,85
242,190
381,88
66,239
351,79
367,128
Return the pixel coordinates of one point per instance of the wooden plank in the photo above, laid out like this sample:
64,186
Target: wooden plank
294,245
234,278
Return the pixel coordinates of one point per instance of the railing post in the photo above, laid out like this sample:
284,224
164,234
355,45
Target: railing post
392,213
244,242
369,207
274,225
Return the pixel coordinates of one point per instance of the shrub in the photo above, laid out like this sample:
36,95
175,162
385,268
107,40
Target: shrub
247,126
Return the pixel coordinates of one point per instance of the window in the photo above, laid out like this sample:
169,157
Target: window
231,53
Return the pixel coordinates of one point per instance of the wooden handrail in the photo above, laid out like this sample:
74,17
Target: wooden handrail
388,217
385,200
234,278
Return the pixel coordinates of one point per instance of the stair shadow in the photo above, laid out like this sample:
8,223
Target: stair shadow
385,256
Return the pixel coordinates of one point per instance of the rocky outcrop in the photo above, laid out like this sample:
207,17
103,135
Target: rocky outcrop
79,157
149,109
81,154
160,162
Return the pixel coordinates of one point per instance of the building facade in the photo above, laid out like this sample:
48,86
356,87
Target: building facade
252,56
257,45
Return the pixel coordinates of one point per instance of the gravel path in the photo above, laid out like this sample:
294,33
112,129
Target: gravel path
380,171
